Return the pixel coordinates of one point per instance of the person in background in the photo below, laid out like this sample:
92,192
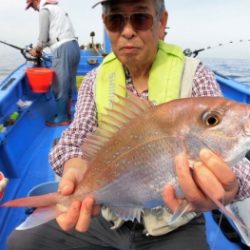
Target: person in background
57,33
135,29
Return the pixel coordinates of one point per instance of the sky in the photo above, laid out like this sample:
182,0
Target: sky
193,24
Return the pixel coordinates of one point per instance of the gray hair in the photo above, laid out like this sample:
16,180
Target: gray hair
159,7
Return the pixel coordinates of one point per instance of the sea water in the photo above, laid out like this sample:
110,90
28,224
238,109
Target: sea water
238,69
9,61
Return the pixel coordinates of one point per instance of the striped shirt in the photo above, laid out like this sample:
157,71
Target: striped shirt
85,121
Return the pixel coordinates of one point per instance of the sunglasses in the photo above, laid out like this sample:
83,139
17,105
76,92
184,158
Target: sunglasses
140,21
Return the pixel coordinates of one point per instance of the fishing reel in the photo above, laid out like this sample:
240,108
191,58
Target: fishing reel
188,52
43,58
25,52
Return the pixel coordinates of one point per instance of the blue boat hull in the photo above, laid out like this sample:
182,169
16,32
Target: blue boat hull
233,89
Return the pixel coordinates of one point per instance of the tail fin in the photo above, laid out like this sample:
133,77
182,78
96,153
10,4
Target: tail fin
34,201
45,211
39,216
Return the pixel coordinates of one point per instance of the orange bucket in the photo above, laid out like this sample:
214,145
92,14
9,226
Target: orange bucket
40,79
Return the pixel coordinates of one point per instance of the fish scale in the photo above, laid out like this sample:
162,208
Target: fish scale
147,176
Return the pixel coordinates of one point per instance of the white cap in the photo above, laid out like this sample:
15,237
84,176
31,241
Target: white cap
102,1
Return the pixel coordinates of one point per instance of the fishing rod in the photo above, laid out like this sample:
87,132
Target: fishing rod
11,45
188,52
25,53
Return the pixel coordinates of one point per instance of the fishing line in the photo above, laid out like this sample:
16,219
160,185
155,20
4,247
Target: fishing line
188,52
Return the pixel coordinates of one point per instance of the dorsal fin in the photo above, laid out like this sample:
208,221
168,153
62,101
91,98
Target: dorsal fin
122,112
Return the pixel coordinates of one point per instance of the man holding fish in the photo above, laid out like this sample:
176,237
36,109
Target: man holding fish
141,65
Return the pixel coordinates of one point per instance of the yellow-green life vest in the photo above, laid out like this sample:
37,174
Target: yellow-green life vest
164,77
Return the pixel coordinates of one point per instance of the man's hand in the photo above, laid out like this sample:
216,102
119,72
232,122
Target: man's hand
35,52
211,174
80,212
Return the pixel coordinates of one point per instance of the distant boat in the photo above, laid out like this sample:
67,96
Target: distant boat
25,141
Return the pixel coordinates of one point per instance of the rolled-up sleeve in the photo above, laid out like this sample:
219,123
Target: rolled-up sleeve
44,26
69,145
242,171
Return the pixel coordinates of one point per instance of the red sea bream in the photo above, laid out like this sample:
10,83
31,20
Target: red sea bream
131,156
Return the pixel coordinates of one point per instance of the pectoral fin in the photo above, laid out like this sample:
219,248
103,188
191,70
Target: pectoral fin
182,209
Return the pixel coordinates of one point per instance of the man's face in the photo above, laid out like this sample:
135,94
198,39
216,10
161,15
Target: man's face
136,45
35,5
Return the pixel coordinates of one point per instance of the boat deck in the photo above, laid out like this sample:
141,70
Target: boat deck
32,167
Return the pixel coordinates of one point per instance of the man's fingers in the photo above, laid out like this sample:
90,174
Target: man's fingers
185,178
79,215
85,214
96,211
68,220
209,180
170,198
68,182
66,188
222,171
208,183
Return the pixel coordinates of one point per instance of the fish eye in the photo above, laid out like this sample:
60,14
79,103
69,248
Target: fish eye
211,119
